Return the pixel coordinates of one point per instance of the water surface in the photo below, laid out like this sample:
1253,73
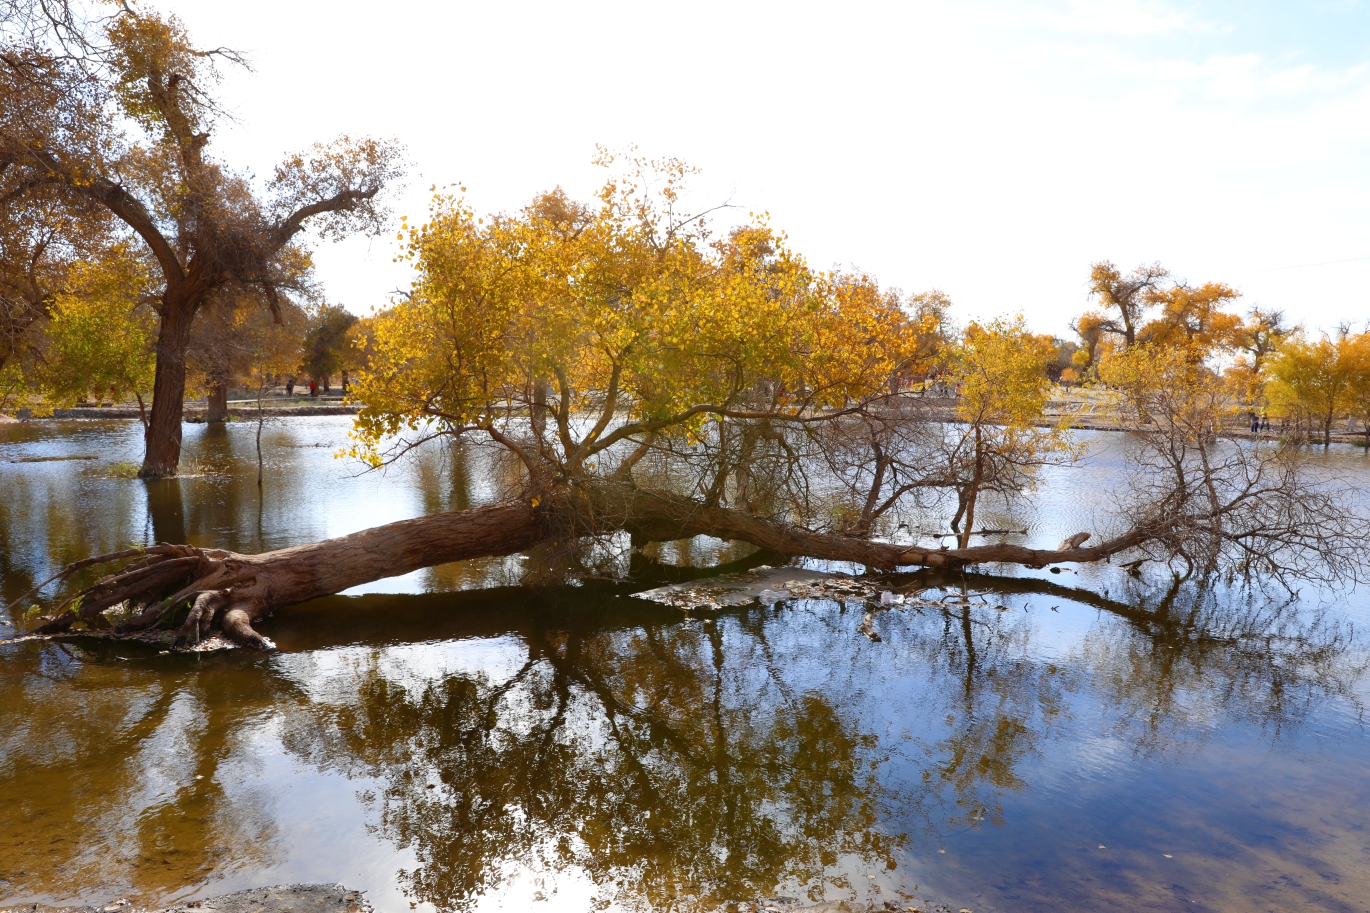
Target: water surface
450,741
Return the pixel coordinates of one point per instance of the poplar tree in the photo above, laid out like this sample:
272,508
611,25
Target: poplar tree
115,115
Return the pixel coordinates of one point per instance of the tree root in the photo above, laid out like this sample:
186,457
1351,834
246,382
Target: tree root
237,624
228,593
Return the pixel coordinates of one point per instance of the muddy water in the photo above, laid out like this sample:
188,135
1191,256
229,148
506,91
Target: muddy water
448,741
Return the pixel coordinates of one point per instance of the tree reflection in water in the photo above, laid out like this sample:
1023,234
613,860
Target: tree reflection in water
699,760
114,779
657,758
636,757
1192,656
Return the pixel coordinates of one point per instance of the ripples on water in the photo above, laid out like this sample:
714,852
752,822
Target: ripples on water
1044,747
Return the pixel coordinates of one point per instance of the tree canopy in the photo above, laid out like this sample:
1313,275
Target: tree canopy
108,121
641,322
327,345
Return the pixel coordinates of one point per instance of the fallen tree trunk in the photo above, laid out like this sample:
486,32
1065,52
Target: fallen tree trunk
228,592
246,588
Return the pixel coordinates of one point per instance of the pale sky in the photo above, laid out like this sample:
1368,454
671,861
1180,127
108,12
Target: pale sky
989,149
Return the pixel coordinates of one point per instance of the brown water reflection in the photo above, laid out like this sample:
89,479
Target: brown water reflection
505,747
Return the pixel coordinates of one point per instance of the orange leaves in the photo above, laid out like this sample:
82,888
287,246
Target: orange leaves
1193,317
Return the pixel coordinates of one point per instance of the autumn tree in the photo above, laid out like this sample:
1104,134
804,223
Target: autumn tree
1215,505
47,250
1089,326
1124,299
327,345
645,379
1001,374
1192,318
232,337
238,341
1313,382
100,335
933,325
116,114
1261,334
1356,357
1063,360
40,243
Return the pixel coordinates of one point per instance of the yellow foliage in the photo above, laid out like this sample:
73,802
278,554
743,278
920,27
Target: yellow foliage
99,337
1000,370
1315,383
1167,384
1192,318
16,392
626,311
1000,373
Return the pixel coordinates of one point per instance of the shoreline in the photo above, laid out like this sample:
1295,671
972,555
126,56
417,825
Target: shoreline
281,898
335,898
194,412
1057,412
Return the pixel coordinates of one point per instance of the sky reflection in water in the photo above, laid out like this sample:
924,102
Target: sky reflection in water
1038,747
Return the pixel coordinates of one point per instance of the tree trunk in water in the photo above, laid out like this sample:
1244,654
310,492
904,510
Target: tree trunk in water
974,493
260,418
970,517
246,588
217,399
163,437
863,526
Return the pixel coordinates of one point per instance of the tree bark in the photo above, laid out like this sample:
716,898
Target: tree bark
163,436
973,495
538,409
217,401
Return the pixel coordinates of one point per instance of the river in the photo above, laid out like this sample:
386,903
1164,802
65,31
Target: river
448,740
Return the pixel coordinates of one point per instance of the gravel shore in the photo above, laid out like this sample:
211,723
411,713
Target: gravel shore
281,898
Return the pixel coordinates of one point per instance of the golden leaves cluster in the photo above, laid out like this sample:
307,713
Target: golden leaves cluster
626,300
1167,386
999,370
1321,381
99,336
